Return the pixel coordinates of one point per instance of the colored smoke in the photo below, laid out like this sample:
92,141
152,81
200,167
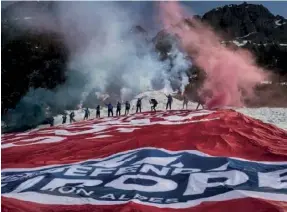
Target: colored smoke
107,56
231,75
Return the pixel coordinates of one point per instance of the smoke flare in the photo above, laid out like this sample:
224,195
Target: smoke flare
230,75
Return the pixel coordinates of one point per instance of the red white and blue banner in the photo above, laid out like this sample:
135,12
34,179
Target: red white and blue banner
164,161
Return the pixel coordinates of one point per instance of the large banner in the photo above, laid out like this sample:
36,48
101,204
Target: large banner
164,161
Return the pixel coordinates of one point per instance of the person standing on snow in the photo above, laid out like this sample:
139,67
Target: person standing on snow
127,109
64,117
98,111
169,101
119,108
200,102
51,121
110,109
139,105
185,101
154,103
72,115
200,98
87,114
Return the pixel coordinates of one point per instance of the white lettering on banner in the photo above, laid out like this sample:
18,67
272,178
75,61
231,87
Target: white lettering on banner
28,184
59,182
108,196
179,165
146,168
78,171
84,192
66,190
140,197
74,190
198,182
99,171
273,179
157,177
184,171
156,200
173,200
161,184
131,169
16,177
122,197
32,174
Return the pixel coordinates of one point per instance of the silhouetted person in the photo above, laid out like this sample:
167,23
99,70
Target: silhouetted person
87,113
200,102
119,108
201,98
64,117
154,103
128,106
110,109
169,101
185,102
98,111
72,115
139,105
51,121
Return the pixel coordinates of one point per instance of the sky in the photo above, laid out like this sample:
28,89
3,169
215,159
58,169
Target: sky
148,9
276,7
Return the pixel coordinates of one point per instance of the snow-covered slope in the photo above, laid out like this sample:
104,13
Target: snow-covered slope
276,116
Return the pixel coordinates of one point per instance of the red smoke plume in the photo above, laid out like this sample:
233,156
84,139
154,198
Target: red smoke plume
230,75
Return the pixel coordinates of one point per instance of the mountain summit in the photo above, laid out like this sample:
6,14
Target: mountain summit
251,21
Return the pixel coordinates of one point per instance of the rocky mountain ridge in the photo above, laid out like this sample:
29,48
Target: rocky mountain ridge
248,22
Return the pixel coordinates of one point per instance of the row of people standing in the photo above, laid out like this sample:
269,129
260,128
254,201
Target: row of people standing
153,102
110,107
118,109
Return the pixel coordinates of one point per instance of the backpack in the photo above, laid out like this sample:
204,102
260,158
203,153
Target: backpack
154,101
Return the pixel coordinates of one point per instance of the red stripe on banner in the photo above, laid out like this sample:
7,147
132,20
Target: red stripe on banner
239,205
228,133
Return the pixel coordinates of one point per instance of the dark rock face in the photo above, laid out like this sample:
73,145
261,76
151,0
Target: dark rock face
30,58
31,61
251,21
